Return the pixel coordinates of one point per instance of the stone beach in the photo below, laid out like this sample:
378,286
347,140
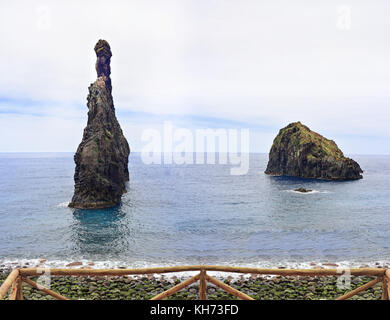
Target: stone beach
145,287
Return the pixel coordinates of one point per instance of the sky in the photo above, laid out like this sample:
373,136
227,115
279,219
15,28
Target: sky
198,64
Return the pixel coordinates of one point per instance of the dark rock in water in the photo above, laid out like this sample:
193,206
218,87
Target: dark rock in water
102,156
73,264
298,151
303,190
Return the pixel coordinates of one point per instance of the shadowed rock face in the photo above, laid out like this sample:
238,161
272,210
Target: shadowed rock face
298,151
102,156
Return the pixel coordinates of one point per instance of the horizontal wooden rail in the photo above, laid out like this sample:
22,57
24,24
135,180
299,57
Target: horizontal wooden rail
176,288
281,272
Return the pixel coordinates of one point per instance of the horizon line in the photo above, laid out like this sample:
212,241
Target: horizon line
251,152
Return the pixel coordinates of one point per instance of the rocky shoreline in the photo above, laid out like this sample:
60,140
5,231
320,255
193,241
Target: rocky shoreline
145,287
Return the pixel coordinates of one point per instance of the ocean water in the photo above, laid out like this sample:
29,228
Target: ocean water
194,214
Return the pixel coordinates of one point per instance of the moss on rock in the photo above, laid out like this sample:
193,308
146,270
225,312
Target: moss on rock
298,151
260,288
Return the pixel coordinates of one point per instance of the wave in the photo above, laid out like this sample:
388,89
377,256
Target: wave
310,192
63,204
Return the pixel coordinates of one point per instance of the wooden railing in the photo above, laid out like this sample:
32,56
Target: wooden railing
16,278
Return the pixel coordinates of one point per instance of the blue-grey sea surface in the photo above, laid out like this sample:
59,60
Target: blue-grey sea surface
194,214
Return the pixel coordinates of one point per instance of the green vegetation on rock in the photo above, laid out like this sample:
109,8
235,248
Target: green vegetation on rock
298,151
300,135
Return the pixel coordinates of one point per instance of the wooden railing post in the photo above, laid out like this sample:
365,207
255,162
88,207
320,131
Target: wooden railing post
371,272
385,288
19,289
202,285
14,289
360,289
8,283
387,276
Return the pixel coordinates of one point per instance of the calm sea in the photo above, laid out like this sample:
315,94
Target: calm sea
194,214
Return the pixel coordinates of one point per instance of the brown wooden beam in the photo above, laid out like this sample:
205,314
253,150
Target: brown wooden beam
280,272
14,290
19,294
387,276
202,285
228,288
176,288
385,288
8,283
360,289
43,289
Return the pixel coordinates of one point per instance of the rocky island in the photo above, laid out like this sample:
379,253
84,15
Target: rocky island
298,151
102,156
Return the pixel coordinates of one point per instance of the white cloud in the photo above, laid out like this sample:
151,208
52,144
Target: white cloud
264,62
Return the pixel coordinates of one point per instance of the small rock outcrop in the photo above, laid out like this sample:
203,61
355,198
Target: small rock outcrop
298,151
303,190
102,156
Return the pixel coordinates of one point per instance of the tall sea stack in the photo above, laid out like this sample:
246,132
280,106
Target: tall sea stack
102,156
298,151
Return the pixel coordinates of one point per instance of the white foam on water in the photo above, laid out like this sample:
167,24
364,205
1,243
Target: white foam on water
306,193
63,204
